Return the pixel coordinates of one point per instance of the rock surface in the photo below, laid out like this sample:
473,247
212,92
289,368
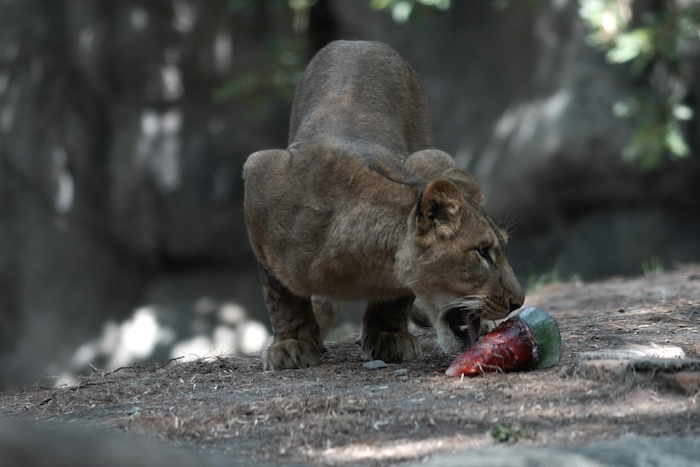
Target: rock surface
116,165
374,365
519,100
119,172
629,451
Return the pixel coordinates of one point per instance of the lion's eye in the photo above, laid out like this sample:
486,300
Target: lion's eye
484,252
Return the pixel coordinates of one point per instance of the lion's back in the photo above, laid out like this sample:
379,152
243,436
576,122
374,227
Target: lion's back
361,90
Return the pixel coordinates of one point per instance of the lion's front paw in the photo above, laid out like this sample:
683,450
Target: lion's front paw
291,353
393,347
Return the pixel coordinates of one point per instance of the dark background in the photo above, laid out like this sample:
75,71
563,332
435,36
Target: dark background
124,126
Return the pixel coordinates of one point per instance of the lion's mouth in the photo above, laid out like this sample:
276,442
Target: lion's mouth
465,324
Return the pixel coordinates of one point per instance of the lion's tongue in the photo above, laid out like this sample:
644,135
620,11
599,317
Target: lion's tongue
471,327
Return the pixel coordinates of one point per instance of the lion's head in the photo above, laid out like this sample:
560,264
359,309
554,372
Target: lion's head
454,260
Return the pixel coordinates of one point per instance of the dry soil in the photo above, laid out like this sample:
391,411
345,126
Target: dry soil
340,413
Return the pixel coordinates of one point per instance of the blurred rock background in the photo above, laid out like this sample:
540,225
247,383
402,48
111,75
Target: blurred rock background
124,126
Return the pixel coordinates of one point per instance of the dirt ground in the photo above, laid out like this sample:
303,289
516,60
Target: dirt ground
340,413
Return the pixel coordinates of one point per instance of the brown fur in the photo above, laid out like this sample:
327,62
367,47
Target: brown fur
361,207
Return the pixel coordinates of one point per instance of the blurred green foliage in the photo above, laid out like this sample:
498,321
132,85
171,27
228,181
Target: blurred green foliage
659,40
653,267
401,10
285,57
536,281
509,432
287,53
284,63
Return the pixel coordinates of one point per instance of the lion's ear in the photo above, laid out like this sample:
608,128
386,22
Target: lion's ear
466,183
439,209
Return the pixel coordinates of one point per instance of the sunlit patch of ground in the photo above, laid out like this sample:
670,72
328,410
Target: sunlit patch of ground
214,329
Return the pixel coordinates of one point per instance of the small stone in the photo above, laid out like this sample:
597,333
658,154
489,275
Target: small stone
132,411
375,365
401,372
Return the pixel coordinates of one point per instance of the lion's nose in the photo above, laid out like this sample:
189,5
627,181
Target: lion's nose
514,305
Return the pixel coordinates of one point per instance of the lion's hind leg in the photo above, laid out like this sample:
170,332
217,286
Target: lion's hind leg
297,342
385,333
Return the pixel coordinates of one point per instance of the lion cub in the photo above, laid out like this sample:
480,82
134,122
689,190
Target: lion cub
360,206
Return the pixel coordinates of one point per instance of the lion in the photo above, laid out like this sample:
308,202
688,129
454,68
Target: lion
361,206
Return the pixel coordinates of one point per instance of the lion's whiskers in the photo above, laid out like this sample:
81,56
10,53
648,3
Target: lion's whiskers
467,301
410,283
